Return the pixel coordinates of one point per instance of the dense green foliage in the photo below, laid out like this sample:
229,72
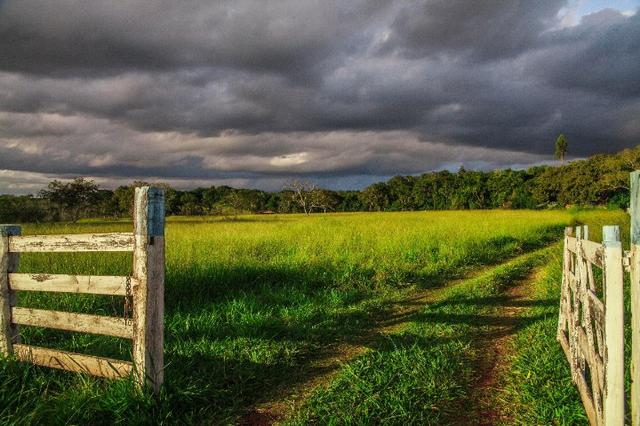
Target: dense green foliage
252,304
599,180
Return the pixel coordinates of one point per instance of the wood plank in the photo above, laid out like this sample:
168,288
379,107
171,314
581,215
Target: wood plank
614,327
590,354
8,331
564,289
69,361
635,297
148,295
587,400
83,323
597,304
99,284
571,244
74,242
593,252
573,282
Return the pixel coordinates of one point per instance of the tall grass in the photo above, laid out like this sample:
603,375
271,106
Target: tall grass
249,302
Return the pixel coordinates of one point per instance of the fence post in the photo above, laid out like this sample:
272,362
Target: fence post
148,288
635,297
8,263
564,291
614,327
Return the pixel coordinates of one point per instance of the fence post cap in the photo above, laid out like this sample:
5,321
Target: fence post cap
7,230
611,233
152,190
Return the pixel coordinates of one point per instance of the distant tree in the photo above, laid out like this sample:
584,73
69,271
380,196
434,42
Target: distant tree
21,209
72,198
561,147
401,192
232,204
322,199
301,193
308,196
124,197
376,196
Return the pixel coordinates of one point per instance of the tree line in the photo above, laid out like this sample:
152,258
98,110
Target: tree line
599,180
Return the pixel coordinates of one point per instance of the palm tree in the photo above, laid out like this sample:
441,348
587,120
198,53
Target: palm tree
561,147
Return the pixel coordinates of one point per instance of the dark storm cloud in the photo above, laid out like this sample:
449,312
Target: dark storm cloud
256,91
602,56
66,36
484,30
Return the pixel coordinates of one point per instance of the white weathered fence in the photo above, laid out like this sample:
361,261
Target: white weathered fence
591,319
591,322
143,293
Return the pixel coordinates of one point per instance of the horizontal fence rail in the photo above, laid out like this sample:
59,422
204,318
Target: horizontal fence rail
69,321
86,284
72,243
143,293
78,363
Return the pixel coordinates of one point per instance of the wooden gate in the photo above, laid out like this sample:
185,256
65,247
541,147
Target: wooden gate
144,291
590,330
591,320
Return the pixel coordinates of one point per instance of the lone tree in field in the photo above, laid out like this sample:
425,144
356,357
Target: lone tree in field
308,196
561,147
72,197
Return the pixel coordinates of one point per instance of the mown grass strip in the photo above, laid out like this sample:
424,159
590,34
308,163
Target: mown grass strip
422,374
538,388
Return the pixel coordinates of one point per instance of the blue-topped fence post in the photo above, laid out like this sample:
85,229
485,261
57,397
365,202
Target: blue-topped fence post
148,287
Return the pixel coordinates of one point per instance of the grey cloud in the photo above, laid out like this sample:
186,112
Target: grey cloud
85,38
483,30
72,145
341,91
602,55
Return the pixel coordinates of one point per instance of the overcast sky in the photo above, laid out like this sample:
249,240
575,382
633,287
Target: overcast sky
345,93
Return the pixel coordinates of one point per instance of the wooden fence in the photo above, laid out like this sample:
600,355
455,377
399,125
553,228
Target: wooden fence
591,319
143,293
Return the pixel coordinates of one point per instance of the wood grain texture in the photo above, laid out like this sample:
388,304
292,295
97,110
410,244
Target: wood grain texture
614,326
593,252
8,262
116,241
69,361
87,284
83,323
148,293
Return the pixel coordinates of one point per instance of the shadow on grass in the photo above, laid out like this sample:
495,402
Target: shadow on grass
243,384
239,336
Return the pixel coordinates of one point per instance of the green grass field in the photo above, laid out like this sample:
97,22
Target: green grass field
254,305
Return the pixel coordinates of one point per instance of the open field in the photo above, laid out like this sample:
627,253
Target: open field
279,318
